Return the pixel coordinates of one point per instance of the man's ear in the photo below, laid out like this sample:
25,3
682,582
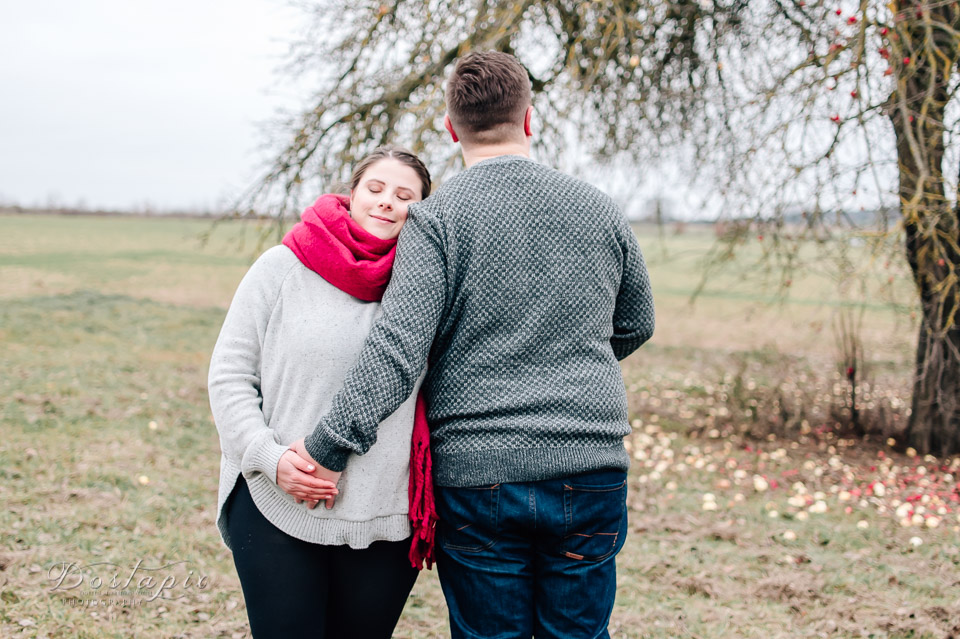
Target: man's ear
449,126
526,122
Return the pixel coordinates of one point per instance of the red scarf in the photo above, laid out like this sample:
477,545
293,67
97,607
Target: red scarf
336,248
328,242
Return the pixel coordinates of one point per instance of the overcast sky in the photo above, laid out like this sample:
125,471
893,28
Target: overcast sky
124,104
128,105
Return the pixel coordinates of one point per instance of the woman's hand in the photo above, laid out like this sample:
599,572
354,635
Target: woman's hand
316,469
295,475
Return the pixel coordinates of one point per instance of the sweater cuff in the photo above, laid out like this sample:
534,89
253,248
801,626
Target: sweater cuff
326,450
263,455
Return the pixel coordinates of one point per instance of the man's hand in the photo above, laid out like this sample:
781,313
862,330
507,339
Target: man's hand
319,471
295,477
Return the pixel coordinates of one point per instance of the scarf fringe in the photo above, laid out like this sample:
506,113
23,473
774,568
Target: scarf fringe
423,512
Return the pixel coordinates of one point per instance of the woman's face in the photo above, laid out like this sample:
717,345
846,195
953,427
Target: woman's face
379,203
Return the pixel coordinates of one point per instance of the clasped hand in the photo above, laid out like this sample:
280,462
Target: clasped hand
301,477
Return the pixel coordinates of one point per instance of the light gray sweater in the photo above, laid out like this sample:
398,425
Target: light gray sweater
286,345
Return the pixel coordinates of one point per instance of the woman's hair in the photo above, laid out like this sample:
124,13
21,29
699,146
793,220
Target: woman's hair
400,155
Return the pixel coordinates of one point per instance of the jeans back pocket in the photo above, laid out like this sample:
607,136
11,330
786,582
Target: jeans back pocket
594,517
468,517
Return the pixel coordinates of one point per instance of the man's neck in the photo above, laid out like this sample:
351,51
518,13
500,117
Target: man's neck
479,153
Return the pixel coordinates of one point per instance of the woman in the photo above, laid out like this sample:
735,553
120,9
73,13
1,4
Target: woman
294,329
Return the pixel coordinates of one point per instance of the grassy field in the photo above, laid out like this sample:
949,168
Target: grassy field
109,458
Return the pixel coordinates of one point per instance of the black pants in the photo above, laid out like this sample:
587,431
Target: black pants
294,588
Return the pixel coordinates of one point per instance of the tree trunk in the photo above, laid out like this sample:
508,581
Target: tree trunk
918,108
934,425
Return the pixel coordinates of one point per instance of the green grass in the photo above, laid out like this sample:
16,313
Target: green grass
107,325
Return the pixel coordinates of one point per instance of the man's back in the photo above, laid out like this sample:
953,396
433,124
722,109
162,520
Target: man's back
544,290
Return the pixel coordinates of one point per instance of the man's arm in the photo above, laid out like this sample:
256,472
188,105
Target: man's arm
633,317
396,350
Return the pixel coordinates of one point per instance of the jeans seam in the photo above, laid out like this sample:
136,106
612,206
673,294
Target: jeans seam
532,503
594,489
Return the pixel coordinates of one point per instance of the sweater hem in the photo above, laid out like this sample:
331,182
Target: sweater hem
509,465
319,526
316,526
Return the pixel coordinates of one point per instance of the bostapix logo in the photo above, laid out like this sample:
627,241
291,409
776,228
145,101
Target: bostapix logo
106,583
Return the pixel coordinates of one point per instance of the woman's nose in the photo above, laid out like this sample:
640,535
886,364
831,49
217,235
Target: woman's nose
385,203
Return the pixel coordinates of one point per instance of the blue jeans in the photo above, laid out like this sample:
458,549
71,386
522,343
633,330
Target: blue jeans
532,558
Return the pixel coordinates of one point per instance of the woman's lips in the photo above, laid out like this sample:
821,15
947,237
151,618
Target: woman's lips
382,219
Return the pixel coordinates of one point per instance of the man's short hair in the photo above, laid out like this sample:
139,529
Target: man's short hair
487,97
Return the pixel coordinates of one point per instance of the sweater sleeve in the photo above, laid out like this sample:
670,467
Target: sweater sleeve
396,350
234,378
633,316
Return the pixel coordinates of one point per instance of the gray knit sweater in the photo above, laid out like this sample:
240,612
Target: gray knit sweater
520,287
286,345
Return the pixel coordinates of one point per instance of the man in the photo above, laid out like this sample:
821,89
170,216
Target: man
519,288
